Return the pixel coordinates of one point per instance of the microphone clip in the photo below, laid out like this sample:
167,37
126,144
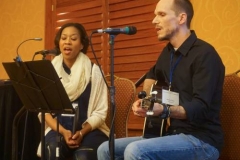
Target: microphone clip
18,60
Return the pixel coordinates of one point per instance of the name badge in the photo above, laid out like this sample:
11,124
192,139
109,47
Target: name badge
170,97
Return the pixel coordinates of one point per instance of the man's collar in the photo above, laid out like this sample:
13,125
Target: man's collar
187,44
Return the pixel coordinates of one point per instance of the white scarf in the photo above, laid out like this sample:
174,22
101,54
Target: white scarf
77,81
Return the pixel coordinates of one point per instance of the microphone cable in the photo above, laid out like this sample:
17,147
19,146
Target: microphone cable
113,109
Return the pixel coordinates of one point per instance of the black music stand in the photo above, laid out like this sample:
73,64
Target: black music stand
40,89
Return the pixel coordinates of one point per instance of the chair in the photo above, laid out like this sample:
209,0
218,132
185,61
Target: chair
125,92
230,114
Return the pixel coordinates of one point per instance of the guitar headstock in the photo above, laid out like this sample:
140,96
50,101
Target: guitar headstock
148,101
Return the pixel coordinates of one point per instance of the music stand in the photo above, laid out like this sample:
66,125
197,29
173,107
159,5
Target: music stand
40,89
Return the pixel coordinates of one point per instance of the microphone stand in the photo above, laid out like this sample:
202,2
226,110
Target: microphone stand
112,98
18,58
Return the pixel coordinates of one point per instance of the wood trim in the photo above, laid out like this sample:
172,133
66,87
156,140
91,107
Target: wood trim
104,37
50,13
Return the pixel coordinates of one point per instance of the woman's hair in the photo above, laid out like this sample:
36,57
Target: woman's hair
83,36
184,6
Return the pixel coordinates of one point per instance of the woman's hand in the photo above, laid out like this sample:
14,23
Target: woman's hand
71,140
78,136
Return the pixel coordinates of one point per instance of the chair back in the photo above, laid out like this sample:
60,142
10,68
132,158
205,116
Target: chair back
125,92
230,115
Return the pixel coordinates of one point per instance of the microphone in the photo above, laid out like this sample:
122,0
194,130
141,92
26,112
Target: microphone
45,52
18,58
127,30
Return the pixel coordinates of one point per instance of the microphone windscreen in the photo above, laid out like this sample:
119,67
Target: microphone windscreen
37,39
132,30
57,51
54,51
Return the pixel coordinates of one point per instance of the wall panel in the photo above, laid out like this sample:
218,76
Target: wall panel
129,50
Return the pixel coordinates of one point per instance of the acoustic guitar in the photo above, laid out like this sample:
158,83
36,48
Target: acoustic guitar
154,126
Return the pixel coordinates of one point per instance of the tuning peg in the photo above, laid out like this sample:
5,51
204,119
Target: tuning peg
142,94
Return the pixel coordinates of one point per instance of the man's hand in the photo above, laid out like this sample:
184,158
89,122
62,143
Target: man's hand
141,112
137,109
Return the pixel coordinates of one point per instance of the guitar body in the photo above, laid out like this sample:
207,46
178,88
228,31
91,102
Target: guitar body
154,126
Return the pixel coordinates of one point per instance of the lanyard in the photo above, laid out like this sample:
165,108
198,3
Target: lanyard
173,67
